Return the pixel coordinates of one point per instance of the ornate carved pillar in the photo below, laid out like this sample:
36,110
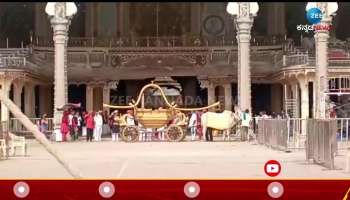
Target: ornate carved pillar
106,96
89,97
17,93
321,74
228,96
29,99
5,87
295,96
211,94
60,23
304,87
244,23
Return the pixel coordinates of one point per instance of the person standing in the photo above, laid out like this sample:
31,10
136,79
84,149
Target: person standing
199,125
90,125
98,125
64,126
44,124
246,120
193,125
79,123
114,124
74,131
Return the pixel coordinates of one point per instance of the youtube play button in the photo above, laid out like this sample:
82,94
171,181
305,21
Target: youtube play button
272,168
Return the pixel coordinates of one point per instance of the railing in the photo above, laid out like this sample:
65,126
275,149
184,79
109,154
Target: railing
273,133
12,62
304,59
16,126
169,41
321,144
283,134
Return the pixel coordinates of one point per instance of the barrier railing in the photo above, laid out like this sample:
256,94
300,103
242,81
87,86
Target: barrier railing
273,133
294,134
321,144
16,126
342,132
297,131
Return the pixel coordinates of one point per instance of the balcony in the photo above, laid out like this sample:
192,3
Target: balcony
161,42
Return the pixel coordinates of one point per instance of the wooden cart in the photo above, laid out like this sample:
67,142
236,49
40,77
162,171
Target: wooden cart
155,118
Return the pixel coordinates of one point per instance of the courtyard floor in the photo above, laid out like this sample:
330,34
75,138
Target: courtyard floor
107,159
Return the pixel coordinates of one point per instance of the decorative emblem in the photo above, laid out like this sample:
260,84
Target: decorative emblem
213,25
115,61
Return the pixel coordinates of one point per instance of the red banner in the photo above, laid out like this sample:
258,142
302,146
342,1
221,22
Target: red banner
174,189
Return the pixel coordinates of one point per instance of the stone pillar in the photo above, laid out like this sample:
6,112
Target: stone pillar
60,25
89,98
17,93
276,19
228,96
5,87
106,97
284,97
195,17
243,26
29,99
304,87
295,95
211,94
321,74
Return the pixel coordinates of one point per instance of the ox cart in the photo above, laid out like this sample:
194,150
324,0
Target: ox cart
171,120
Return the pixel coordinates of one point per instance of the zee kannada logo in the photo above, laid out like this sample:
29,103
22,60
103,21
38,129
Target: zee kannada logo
314,15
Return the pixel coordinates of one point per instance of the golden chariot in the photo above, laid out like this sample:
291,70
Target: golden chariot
156,118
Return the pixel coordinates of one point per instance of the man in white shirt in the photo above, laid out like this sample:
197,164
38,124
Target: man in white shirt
246,119
98,125
193,125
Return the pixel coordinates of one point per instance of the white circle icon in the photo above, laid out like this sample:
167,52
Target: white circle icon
106,189
21,189
191,189
275,190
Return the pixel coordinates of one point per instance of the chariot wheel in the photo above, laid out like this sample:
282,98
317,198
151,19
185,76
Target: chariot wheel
175,133
130,134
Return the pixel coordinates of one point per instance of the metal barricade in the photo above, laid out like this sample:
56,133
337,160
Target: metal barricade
321,144
273,133
4,140
343,132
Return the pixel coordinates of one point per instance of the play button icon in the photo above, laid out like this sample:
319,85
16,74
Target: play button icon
272,168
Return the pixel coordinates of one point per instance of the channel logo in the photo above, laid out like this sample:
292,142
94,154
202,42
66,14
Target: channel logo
272,168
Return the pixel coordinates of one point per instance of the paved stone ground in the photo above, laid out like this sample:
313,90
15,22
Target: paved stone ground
108,159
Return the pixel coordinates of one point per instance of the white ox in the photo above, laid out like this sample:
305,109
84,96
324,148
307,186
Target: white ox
220,121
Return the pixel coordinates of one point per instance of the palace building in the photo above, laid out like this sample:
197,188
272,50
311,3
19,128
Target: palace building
114,49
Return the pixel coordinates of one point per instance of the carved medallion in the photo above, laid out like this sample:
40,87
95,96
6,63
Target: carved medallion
213,25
